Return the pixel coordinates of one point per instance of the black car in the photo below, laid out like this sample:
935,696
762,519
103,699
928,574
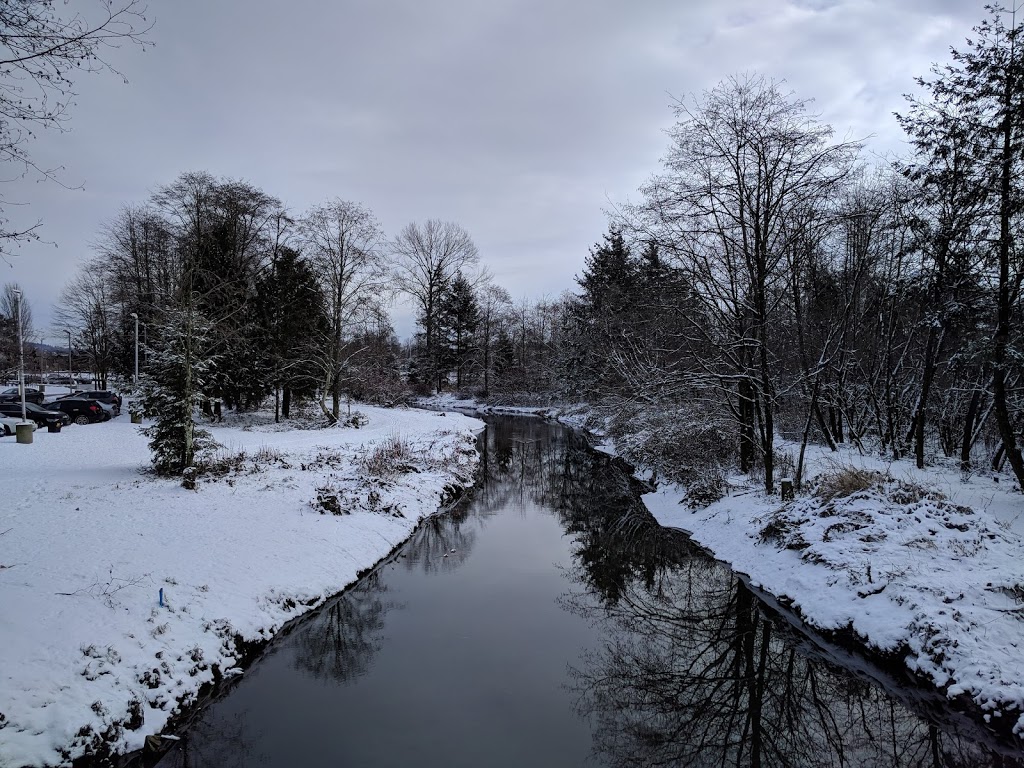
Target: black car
43,417
13,395
81,410
104,396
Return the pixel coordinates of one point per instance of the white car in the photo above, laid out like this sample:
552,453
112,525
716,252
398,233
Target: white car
9,424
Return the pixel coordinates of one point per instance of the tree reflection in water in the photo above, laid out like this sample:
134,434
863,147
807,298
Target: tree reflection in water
339,640
694,670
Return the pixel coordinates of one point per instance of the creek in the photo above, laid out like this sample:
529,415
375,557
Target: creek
549,621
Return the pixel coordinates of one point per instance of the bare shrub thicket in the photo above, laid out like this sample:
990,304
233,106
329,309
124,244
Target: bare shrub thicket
683,446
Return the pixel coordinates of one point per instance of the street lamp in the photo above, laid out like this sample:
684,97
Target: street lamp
135,315
21,356
71,371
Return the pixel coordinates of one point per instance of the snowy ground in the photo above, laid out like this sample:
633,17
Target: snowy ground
922,562
87,542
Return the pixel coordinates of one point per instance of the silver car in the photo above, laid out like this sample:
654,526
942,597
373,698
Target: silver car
10,424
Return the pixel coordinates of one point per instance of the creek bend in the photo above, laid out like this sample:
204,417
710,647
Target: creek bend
549,621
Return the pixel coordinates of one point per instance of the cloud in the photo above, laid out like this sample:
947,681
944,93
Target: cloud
520,119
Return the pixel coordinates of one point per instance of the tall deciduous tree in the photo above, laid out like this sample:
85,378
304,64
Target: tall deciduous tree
343,242
85,306
742,161
427,258
9,305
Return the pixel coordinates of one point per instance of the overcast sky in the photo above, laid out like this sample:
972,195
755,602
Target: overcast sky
522,120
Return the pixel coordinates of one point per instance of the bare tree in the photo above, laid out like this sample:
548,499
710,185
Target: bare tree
495,302
40,51
428,256
342,239
9,326
742,161
85,306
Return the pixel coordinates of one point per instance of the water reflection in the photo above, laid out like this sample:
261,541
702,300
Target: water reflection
340,639
687,667
694,669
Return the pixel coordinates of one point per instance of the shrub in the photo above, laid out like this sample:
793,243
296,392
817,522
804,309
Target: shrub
389,457
684,445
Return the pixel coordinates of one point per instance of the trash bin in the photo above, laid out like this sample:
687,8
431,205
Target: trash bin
23,433
53,426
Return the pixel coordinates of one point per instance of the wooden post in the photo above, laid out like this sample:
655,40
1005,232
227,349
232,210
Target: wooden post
787,488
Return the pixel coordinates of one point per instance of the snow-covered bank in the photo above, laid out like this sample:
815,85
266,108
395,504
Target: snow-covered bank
926,564
87,543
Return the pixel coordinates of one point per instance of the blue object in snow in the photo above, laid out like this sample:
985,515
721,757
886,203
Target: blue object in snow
161,597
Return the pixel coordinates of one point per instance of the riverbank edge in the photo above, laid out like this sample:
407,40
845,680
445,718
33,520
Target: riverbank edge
248,653
106,748
847,648
887,668
251,651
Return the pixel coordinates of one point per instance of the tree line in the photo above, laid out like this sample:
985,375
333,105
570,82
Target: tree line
768,283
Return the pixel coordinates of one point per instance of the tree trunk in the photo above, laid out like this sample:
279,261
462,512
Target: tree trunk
746,411
967,439
933,348
286,403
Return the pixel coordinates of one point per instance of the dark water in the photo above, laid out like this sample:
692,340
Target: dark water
551,622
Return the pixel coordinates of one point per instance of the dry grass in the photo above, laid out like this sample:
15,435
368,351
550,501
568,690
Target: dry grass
223,463
846,481
390,457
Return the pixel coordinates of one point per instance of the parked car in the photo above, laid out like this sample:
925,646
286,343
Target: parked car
81,410
43,417
106,398
9,425
32,395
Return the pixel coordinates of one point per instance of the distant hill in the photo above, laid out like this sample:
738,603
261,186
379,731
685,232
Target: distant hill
48,349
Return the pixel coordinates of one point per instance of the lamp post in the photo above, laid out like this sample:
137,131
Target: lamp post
21,356
71,371
136,316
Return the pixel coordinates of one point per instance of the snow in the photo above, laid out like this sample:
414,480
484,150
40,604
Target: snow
922,563
88,540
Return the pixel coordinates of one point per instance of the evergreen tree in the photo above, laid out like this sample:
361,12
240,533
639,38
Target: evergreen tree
170,389
608,278
459,320
982,94
289,305
599,317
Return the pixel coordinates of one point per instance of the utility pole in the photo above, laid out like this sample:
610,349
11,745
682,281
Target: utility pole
71,372
21,357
